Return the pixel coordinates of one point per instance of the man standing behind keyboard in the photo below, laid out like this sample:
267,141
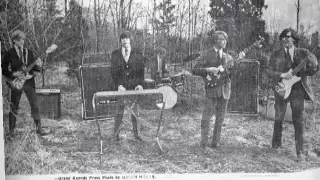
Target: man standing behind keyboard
127,71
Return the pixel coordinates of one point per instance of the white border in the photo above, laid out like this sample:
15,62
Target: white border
2,170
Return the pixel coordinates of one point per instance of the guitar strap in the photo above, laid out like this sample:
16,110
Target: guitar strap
26,56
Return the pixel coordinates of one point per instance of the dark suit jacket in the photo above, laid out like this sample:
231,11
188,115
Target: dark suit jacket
12,59
209,59
130,74
278,64
316,52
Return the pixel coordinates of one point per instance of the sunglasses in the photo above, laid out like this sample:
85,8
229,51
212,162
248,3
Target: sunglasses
286,36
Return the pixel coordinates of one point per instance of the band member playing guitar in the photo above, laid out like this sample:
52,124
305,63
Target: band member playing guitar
215,67
288,69
127,71
18,58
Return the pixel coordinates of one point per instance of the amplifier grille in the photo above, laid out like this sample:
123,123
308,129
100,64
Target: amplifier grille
245,88
94,79
49,103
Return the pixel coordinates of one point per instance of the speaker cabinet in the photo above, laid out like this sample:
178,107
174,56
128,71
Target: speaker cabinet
96,58
95,78
49,102
245,88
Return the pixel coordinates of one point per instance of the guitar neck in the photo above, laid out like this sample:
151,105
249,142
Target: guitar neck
244,51
33,64
247,49
299,67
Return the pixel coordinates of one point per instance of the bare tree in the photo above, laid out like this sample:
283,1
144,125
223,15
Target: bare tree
153,25
65,7
297,4
121,14
189,27
97,23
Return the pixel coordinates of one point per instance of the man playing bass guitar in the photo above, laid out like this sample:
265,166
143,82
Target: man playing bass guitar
17,58
288,69
214,66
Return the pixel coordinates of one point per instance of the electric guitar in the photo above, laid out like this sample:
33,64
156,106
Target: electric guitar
283,88
216,80
18,82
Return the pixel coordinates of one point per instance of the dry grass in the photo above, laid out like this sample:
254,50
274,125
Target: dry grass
72,146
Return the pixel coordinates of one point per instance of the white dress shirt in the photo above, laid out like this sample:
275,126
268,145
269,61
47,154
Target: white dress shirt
126,56
291,52
219,51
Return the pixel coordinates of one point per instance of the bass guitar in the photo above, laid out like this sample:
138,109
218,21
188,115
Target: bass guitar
18,82
216,80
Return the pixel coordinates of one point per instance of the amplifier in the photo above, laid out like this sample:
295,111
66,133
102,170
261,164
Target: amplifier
95,78
245,88
96,58
49,102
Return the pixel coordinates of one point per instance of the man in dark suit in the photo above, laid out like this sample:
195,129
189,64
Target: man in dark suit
281,61
210,64
16,58
127,71
316,50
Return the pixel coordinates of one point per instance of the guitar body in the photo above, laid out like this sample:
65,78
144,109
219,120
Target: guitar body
284,87
222,77
17,83
217,80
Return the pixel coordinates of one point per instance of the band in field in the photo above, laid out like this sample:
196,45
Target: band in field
288,69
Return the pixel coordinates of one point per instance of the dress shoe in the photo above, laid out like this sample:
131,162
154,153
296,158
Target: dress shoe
301,158
10,135
137,137
42,132
39,130
203,144
215,145
317,151
116,138
276,146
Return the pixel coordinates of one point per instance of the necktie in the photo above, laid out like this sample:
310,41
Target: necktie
126,51
289,55
21,54
219,58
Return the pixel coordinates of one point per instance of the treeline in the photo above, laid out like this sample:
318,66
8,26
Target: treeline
179,29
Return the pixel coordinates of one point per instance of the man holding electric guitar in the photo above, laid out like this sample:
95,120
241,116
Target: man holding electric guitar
215,67
289,68
16,59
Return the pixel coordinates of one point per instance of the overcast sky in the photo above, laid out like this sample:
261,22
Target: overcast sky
282,13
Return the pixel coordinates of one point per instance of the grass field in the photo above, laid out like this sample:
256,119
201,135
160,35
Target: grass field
73,145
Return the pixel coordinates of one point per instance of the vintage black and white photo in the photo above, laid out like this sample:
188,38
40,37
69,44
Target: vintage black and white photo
155,87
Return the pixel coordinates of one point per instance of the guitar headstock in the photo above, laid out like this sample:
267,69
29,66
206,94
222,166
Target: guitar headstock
258,43
51,48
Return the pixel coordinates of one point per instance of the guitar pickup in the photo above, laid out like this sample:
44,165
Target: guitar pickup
209,77
107,101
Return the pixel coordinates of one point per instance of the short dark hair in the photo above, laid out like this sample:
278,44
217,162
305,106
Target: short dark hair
125,35
284,33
